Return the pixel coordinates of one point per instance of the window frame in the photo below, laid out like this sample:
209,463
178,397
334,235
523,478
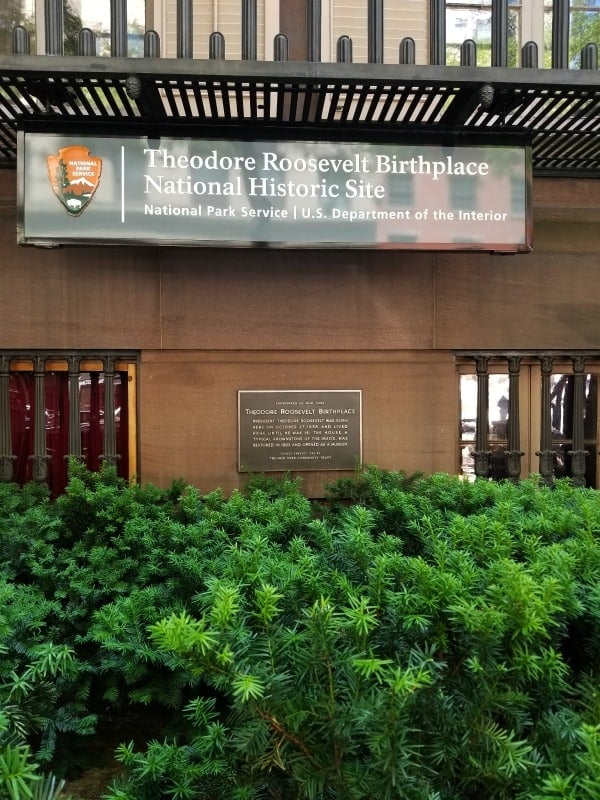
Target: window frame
530,404
126,364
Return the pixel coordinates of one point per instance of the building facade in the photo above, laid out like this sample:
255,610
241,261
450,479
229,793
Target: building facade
467,360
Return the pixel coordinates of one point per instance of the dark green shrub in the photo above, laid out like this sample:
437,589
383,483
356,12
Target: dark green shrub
425,659
438,639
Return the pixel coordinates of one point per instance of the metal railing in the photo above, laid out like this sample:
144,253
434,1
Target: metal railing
54,36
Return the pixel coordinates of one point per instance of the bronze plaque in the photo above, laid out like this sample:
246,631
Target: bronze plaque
305,429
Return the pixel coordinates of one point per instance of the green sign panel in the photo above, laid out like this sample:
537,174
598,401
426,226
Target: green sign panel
116,189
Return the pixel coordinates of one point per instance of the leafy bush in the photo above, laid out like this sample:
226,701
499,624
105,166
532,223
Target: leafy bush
432,657
412,637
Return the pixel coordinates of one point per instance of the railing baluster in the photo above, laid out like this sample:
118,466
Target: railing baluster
249,30
313,30
499,33
74,408
344,50
545,453
578,453
86,43
481,453
280,47
185,43
216,45
529,55
589,56
514,453
40,456
20,41
468,53
407,51
118,28
375,31
109,456
151,44
437,32
54,27
560,34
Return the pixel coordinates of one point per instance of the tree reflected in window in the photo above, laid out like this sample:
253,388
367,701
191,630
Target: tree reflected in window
12,13
469,19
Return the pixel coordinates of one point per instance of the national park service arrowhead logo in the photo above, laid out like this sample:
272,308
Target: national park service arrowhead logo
74,175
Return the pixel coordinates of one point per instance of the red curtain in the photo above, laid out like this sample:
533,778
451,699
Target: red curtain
91,412
22,395
56,421
56,396
91,401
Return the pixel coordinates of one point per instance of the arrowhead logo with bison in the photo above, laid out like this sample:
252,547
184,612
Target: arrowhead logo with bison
74,175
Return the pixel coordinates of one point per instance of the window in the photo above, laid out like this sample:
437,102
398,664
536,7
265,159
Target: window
401,18
497,415
16,12
469,19
95,15
522,414
77,14
56,407
224,16
562,413
528,21
584,28
463,192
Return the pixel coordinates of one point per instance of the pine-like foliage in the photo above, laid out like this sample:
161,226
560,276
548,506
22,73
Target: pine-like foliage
411,638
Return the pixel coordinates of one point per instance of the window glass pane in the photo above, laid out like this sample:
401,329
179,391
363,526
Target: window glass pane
547,37
590,418
468,420
463,192
91,413
481,2
584,28
95,15
468,23
561,404
16,12
561,409
515,39
468,407
474,21
136,26
497,423
498,406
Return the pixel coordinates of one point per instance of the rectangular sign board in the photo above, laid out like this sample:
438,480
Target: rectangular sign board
299,430
182,191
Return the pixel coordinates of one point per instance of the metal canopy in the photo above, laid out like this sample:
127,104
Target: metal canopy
558,109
